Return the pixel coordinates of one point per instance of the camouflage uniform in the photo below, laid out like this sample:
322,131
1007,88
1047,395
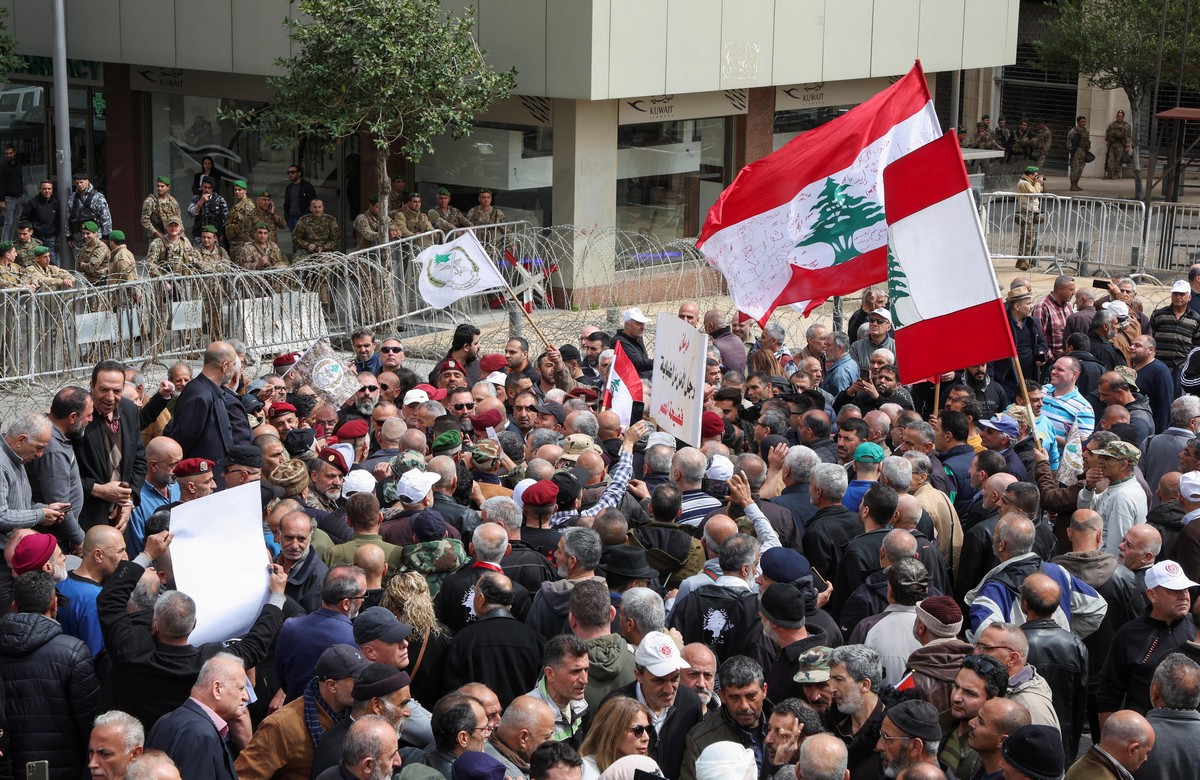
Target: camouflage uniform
1118,136
314,500
13,276
25,252
415,221
50,277
322,231
93,262
249,255
272,221
1079,143
434,560
367,228
175,259
122,266
239,227
156,211
448,220
1039,146
213,260
493,216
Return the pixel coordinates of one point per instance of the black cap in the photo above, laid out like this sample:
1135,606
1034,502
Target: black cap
242,455
623,560
556,409
299,441
783,604
1034,751
916,718
379,680
569,352
428,525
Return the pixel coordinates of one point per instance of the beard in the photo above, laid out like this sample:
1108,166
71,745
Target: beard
365,407
848,704
75,433
60,572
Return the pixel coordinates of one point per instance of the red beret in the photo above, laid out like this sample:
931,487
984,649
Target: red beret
281,408
286,359
354,428
540,493
32,553
490,363
434,393
449,364
330,455
193,466
586,393
711,425
488,419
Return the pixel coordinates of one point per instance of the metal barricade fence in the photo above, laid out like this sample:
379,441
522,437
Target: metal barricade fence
1173,236
1107,234
1014,229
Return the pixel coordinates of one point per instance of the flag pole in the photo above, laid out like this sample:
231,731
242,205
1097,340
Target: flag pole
521,306
1037,440
937,394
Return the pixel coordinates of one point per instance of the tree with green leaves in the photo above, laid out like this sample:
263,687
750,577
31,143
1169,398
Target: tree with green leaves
402,72
9,62
1118,44
839,216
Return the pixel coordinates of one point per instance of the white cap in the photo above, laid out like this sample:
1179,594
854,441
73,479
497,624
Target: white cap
415,397
1118,308
659,437
1189,486
887,315
1169,575
658,654
721,468
636,315
1181,286
414,485
496,377
519,491
358,481
347,451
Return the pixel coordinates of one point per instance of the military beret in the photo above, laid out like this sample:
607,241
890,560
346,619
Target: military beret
116,235
280,409
489,419
447,443
240,184
374,199
6,246
449,364
484,191
79,176
164,179
334,458
33,552
398,177
260,225
490,363
443,191
193,466
286,359
263,193
299,441
540,493
586,393
711,424
91,227
209,229
354,428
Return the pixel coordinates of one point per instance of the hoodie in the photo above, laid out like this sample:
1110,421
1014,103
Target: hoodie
612,668
935,666
548,614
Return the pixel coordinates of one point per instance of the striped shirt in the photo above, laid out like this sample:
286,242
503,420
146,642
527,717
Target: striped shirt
696,506
1174,336
1063,412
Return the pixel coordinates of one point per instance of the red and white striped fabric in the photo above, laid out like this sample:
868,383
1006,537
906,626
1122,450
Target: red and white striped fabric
623,387
945,301
807,222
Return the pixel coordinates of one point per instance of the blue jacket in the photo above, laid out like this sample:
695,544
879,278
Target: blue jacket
191,739
958,459
997,599
301,642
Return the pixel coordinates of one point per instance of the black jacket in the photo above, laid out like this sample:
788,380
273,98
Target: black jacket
1090,371
307,194
497,650
94,467
724,618
860,559
453,602
635,350
304,581
43,215
1061,658
666,747
1137,648
826,536
797,499
780,676
11,183
1167,518
200,422
50,694
149,679
977,557
465,519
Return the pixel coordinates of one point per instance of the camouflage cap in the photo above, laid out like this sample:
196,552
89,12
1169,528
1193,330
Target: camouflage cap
813,666
407,461
1018,413
1121,451
1130,376
486,452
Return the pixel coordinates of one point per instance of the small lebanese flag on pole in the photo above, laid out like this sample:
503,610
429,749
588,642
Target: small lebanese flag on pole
623,388
807,222
945,301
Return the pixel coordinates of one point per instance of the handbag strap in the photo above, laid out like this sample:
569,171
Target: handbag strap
413,673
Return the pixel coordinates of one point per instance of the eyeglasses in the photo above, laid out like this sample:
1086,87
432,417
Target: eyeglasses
368,388
639,730
357,598
247,472
984,664
889,738
488,729
290,173
391,350
460,407
382,386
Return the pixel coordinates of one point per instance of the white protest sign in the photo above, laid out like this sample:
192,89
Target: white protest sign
221,560
677,390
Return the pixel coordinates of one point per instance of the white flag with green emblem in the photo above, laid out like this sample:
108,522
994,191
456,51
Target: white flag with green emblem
448,272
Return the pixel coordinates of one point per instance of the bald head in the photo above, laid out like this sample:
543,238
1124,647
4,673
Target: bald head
373,561
1128,738
391,431
101,537
897,545
218,352
717,530
822,755
994,488
1040,596
713,319
908,512
1086,530
610,424
164,448
1168,486
594,465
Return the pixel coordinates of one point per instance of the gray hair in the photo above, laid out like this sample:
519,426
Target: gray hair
658,458
885,353
29,425
645,608
926,431
1017,533
503,510
775,331
215,667
811,332
898,473
919,462
738,550
822,757
691,464
149,766
800,461
899,544
540,437
362,740
488,550
1178,680
130,727
830,479
840,340
488,388
740,671
861,662
1183,409
583,544
175,615
586,422
607,354
1014,638
435,408
539,468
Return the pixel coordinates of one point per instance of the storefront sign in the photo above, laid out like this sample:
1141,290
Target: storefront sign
670,108
79,72
830,93
178,81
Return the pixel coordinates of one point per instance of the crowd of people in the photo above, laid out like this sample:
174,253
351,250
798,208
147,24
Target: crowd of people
481,573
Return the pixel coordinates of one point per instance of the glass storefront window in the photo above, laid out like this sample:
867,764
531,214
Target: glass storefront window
669,174
789,124
26,121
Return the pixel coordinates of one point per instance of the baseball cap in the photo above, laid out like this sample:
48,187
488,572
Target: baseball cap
378,623
415,397
496,378
884,313
1169,575
556,409
1189,486
658,654
813,666
242,455
414,485
358,481
659,437
868,452
1121,451
1004,424
340,662
486,452
1181,286
428,525
434,393
636,315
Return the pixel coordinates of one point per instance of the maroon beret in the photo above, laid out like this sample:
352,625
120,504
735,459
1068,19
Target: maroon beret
711,425
193,466
540,493
286,359
281,408
354,428
332,456
488,419
490,363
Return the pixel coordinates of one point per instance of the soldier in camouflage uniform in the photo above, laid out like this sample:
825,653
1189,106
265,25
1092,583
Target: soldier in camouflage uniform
263,253
485,213
446,217
1039,146
1003,136
92,258
48,277
213,257
315,232
122,266
172,255
1079,145
25,244
264,211
11,274
1119,137
158,208
239,226
415,221
367,227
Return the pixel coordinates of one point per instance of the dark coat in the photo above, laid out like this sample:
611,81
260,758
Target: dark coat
1061,658
826,536
190,738
732,349
50,694
149,679
1090,371
722,617
635,350
200,422
304,581
301,642
797,499
860,559
463,518
527,566
497,650
94,470
453,601
666,747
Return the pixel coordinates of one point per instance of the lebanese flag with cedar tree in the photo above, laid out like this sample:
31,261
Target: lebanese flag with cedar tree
945,301
807,222
623,388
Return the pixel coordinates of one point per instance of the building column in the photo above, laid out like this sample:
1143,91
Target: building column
754,131
125,150
979,97
585,185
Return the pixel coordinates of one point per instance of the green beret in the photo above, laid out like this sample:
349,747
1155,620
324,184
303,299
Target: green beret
263,194
260,225
1031,169
209,229
443,191
374,199
91,227
164,180
240,183
5,246
39,251
116,235
483,190
446,443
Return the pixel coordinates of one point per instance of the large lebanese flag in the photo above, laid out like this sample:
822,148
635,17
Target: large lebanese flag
623,387
807,222
946,307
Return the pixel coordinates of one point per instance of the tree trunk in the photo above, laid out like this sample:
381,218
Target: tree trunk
384,182
1135,127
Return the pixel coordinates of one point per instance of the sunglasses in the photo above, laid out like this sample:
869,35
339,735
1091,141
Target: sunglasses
382,386
391,350
460,407
983,663
379,422
639,730
368,388
290,173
